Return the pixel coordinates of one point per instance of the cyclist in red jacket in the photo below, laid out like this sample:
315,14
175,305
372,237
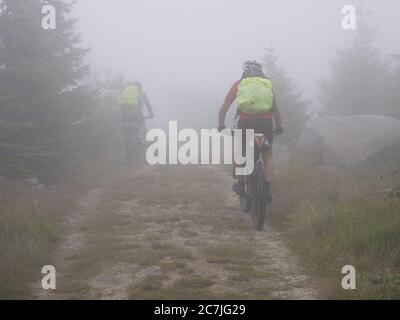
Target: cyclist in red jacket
257,109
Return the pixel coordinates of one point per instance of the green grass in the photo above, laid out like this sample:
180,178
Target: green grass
28,233
338,217
364,233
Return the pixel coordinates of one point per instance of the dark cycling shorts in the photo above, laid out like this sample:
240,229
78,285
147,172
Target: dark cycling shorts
132,115
264,126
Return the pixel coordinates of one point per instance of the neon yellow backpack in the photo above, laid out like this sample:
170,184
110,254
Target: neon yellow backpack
130,96
255,95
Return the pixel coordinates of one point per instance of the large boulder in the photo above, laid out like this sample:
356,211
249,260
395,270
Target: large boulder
349,140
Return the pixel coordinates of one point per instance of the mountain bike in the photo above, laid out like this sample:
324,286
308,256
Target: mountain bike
253,200
135,145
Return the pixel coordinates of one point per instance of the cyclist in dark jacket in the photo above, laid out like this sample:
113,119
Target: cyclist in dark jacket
132,101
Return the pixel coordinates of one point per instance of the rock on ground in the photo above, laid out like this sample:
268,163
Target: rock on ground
349,140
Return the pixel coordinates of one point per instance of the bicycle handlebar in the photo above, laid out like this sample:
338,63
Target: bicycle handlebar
232,131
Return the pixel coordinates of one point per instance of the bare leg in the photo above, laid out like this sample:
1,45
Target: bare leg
240,179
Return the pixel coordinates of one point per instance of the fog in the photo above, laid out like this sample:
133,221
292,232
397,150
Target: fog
94,204
188,53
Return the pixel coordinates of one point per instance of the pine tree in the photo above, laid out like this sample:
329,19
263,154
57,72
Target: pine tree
395,89
290,102
360,78
40,72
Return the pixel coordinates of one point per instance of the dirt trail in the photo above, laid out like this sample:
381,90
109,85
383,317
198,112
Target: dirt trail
171,232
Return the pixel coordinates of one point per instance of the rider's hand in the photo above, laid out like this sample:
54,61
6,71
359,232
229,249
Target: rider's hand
221,128
278,131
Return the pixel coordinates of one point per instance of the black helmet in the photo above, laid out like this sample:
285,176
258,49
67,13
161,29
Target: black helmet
138,84
252,68
252,64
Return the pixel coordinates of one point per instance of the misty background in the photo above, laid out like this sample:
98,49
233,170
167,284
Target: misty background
58,88
62,151
198,47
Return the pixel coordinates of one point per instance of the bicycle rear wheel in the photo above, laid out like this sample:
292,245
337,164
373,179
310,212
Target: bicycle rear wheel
245,203
259,201
140,157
